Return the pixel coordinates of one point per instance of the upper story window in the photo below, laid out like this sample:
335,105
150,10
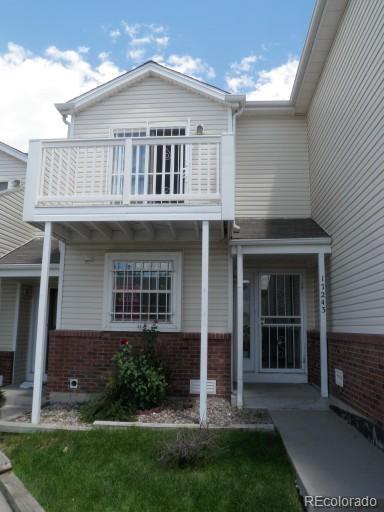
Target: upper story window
3,186
167,132
142,289
130,132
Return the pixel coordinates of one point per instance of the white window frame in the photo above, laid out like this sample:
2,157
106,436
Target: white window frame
110,258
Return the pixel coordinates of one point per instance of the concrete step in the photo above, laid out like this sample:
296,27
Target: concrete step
16,396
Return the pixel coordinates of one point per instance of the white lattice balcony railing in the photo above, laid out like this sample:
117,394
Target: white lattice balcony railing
139,171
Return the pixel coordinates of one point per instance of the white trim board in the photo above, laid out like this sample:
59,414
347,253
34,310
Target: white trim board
32,270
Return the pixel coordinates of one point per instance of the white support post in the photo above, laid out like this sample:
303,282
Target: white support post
41,334
60,285
323,326
204,323
240,279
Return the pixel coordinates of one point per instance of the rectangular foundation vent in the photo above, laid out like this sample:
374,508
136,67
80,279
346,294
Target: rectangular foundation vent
194,387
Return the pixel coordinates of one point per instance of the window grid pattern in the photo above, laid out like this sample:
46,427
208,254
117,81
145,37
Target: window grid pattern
142,291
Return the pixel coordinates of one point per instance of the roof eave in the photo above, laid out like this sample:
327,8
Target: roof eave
148,69
15,153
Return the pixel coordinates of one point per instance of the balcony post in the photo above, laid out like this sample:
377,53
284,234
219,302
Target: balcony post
41,334
204,323
323,326
127,171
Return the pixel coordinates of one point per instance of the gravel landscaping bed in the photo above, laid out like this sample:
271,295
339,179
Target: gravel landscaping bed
57,414
178,411
219,413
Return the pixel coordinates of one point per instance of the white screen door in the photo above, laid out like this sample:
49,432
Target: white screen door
281,322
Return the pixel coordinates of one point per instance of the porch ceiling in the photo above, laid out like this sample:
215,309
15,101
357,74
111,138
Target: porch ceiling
136,231
277,229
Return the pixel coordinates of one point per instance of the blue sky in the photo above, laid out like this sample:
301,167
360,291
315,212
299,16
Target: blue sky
246,46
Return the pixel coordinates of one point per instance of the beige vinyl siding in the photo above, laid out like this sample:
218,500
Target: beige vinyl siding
23,334
346,128
152,100
13,230
272,168
83,289
11,168
8,297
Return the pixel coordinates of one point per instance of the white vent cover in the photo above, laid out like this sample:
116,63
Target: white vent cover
339,377
194,387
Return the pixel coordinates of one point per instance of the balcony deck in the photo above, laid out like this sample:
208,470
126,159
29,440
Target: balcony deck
140,178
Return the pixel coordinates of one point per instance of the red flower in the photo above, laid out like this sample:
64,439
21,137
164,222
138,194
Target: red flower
123,341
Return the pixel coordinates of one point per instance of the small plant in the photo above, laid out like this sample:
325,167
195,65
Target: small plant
107,406
189,448
138,382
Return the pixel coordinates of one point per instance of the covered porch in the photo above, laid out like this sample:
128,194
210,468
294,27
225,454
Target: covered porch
279,295
19,293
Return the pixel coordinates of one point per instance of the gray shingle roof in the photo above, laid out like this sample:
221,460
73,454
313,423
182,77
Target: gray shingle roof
272,229
31,253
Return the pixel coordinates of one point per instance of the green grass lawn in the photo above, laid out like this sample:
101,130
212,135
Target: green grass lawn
113,471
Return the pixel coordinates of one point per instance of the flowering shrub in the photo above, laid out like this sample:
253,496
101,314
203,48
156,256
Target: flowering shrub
138,382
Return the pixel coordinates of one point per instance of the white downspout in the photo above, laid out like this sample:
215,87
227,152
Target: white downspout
69,124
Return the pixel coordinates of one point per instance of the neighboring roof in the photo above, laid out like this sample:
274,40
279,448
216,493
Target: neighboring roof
149,68
277,229
31,254
321,34
9,150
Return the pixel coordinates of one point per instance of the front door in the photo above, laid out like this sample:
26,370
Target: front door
274,340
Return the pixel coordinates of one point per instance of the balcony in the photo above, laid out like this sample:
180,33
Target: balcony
126,178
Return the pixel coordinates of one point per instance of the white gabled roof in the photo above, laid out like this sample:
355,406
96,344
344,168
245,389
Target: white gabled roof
149,68
9,150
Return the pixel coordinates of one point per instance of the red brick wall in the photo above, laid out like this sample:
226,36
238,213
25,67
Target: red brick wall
87,356
361,358
6,367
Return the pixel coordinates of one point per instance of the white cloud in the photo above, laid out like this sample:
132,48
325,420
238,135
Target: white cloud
136,54
276,83
264,85
144,39
192,66
30,84
114,34
246,63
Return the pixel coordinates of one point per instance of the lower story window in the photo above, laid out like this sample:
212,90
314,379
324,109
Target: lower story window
143,289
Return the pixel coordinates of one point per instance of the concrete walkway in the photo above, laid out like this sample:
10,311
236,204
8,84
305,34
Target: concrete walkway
4,507
330,457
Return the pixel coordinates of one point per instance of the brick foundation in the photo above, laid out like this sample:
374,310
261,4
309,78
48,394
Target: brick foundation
361,358
6,367
87,356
